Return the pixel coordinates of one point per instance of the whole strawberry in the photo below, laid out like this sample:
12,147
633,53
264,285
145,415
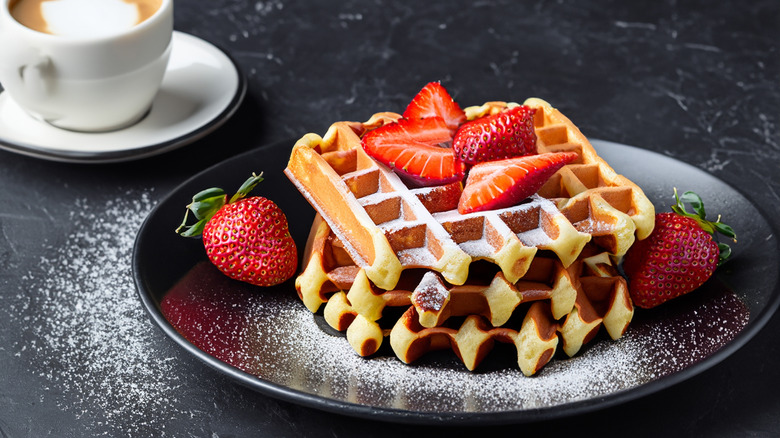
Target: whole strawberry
248,239
504,135
678,256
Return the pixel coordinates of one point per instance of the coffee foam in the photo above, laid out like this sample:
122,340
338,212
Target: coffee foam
89,18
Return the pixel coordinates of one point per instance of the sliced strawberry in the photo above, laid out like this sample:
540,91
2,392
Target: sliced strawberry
434,101
416,149
498,184
504,135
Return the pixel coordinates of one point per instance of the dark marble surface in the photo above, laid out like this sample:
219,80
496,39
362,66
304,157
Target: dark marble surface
698,81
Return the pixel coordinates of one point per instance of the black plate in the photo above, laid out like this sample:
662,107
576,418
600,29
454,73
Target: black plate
267,340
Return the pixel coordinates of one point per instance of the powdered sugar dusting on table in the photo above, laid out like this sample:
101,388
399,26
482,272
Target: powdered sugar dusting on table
89,334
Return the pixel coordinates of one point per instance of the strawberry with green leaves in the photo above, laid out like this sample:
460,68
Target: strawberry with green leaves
247,238
678,256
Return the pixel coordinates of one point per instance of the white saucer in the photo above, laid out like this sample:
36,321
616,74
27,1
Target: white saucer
201,89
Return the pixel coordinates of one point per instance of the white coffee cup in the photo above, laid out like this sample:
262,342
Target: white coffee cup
86,83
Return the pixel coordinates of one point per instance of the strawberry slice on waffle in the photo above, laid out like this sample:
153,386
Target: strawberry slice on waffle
434,101
504,135
497,184
417,150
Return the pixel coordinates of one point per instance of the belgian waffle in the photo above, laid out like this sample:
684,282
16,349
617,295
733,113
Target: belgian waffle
556,304
386,227
377,244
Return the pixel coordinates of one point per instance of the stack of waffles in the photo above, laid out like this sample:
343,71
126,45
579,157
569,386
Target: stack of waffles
389,262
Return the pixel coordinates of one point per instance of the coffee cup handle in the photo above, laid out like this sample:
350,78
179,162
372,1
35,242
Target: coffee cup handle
35,76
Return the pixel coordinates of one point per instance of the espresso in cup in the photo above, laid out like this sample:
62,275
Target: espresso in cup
82,18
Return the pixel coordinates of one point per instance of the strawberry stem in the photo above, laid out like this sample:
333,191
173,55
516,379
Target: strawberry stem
700,216
247,187
206,203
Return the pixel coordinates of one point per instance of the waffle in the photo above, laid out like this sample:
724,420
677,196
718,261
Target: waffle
456,281
328,269
387,227
558,305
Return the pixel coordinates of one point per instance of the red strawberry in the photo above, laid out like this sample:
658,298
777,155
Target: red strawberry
246,238
497,184
434,101
678,256
504,135
416,150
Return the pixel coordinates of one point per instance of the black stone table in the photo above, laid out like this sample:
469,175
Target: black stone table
697,81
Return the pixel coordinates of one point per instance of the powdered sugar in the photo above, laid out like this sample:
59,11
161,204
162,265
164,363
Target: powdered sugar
534,238
430,293
477,249
289,346
90,335
442,385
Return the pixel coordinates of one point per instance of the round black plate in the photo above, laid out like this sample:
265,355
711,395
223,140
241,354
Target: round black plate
267,340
